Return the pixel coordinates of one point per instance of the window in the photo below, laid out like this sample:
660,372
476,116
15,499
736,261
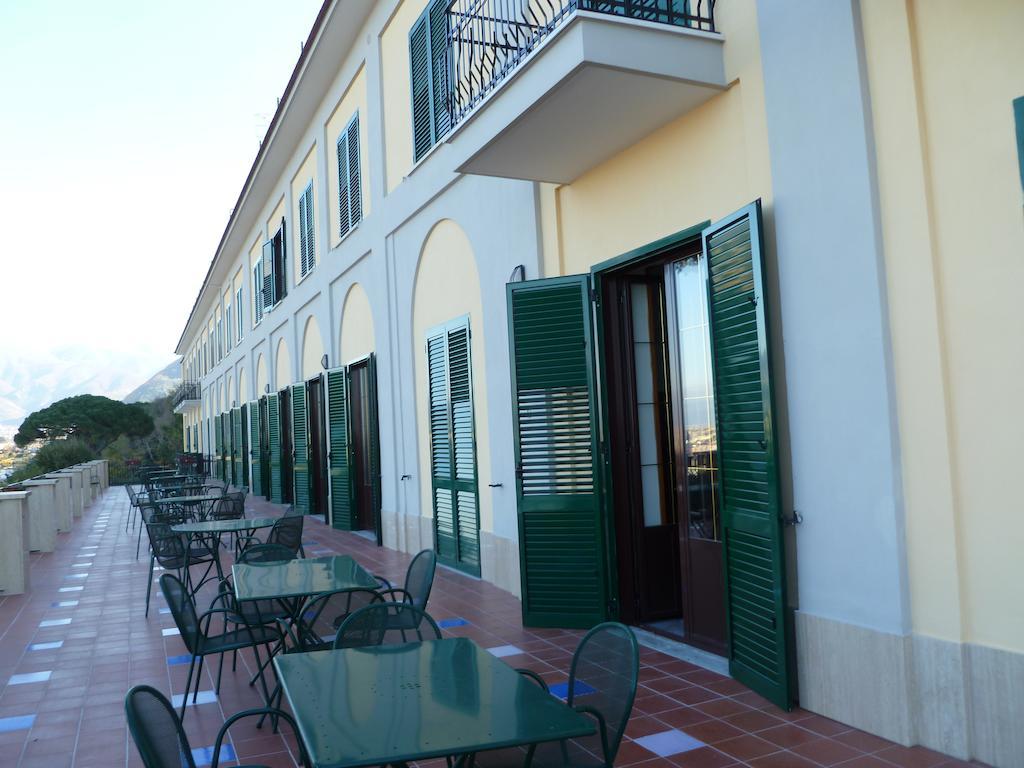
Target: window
350,198
275,282
239,327
257,293
307,249
228,336
220,339
428,63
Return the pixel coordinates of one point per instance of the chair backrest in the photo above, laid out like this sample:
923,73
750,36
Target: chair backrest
168,547
182,609
287,531
604,675
265,553
420,578
230,507
386,624
156,730
324,614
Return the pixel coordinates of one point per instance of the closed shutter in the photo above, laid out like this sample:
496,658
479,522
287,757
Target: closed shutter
554,412
374,457
307,251
422,108
300,452
355,194
339,455
236,447
344,207
217,457
225,427
243,428
752,528
453,447
303,260
255,448
274,444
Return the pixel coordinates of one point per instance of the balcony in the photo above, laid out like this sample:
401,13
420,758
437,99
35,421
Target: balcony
186,397
545,90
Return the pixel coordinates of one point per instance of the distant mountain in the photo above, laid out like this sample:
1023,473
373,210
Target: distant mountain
160,385
31,379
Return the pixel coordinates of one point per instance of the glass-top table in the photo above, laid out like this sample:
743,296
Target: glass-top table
300,578
393,704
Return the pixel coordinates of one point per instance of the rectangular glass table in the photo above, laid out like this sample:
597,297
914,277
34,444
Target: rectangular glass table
300,578
212,530
394,704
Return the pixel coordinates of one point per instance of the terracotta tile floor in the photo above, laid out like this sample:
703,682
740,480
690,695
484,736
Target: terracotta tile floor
71,648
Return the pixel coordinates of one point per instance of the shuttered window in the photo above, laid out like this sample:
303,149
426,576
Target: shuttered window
274,448
255,448
228,328
257,293
455,496
339,456
350,196
300,450
429,73
307,249
554,408
274,265
239,322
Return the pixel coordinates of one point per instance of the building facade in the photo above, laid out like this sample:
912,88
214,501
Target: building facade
700,316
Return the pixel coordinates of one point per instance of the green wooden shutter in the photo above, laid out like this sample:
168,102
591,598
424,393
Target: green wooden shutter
236,447
374,430
243,429
339,456
267,268
300,453
225,427
453,447
303,261
422,106
554,410
439,67
355,191
217,457
344,207
274,440
255,448
753,546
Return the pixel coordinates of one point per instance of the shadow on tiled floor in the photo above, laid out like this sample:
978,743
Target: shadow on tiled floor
71,648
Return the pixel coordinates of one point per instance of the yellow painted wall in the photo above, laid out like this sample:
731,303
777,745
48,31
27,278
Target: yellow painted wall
261,377
447,287
302,178
354,100
255,254
357,339
283,366
394,54
274,220
312,349
953,235
704,165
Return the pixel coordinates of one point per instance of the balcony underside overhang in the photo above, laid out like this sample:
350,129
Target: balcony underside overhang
598,85
186,406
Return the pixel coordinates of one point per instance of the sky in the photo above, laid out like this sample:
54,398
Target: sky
126,131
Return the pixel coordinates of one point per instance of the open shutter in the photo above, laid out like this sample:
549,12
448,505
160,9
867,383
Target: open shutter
453,447
422,108
554,411
217,457
344,216
439,67
274,441
236,447
355,191
225,426
243,429
300,452
339,455
374,431
303,261
267,260
753,546
255,448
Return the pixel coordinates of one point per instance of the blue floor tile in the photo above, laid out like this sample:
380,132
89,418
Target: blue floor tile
204,755
183,659
456,622
561,690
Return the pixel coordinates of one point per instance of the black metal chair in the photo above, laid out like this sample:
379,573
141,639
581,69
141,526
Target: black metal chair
287,532
419,580
174,552
324,614
161,740
195,633
602,685
386,624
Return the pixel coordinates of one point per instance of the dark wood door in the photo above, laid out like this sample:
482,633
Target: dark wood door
317,445
361,447
285,416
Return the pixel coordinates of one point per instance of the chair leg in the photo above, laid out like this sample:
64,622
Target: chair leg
188,688
220,671
199,677
138,543
149,586
234,661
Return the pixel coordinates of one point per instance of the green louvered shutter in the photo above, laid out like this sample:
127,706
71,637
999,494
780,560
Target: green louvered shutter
225,427
419,69
255,448
374,430
355,196
339,458
217,457
300,452
274,440
236,447
554,412
453,447
747,453
243,431
439,67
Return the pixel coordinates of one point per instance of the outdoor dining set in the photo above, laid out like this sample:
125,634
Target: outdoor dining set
367,675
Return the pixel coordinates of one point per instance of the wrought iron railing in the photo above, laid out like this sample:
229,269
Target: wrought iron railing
487,39
187,390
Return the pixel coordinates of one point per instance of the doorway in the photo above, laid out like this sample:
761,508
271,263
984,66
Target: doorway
362,446
662,447
287,451
317,446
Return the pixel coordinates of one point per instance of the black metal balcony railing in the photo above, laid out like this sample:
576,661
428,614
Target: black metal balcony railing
187,390
488,38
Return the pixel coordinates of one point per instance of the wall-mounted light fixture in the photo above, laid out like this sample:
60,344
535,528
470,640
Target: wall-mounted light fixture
323,362
518,274
266,389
